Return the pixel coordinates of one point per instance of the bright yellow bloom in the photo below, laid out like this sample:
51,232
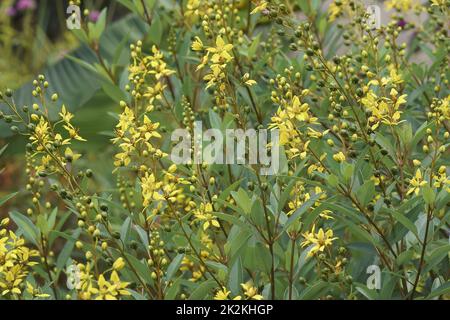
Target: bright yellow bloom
204,214
126,119
251,292
221,52
416,183
70,155
339,157
149,129
384,110
73,132
440,3
150,189
15,262
197,45
300,111
119,264
319,240
401,5
110,290
65,115
335,10
222,294
36,293
260,7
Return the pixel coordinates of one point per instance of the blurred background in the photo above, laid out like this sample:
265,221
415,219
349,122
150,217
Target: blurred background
34,39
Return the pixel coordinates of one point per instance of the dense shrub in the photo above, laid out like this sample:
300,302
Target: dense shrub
359,205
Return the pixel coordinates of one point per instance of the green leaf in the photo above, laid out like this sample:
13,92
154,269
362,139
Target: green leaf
215,121
231,219
3,149
333,180
174,266
125,230
4,199
300,211
315,291
257,213
242,199
203,290
236,277
428,194
366,192
113,91
30,231
369,294
140,267
156,30
129,4
436,256
439,291
225,193
403,220
66,252
97,30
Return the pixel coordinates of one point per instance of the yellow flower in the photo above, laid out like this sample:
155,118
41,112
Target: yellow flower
15,262
438,2
401,5
383,110
204,214
339,157
110,290
251,292
416,183
126,119
300,111
149,187
197,45
70,155
35,292
119,264
222,294
335,10
441,180
65,115
73,132
149,129
319,240
41,133
221,51
260,7
326,214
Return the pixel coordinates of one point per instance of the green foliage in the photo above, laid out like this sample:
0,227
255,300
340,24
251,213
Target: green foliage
358,209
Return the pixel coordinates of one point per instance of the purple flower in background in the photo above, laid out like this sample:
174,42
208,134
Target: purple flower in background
11,11
401,23
25,4
93,16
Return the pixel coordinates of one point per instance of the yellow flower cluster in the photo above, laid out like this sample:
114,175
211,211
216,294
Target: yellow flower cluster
134,137
250,293
291,117
221,55
336,8
204,215
15,262
89,288
385,109
400,5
